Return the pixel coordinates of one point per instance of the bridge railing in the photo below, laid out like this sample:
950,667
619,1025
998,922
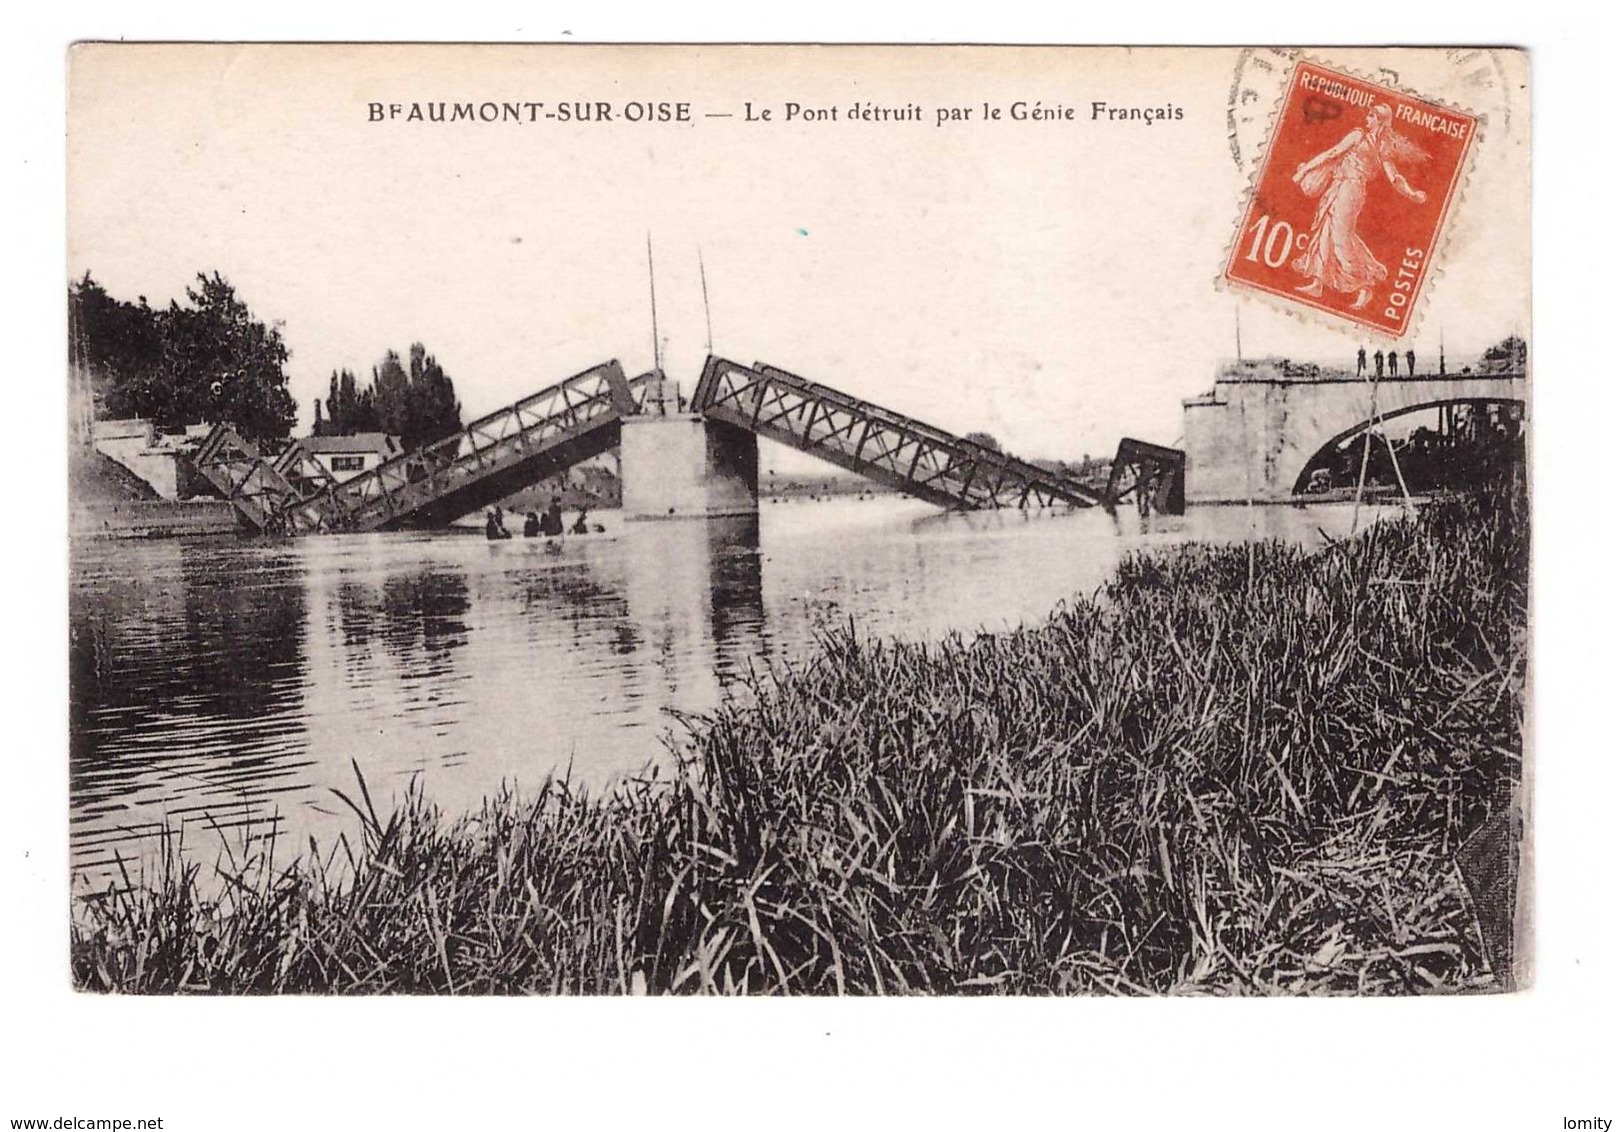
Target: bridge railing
886,446
394,490
641,385
265,496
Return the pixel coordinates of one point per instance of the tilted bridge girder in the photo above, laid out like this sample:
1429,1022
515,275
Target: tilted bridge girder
489,459
496,455
1151,475
578,418
897,451
281,496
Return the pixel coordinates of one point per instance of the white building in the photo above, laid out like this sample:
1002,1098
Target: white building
349,456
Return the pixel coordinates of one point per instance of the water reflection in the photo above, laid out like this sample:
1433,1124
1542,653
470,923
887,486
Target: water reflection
246,681
185,668
419,616
737,609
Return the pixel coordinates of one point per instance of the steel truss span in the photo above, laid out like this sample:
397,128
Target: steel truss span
578,418
1151,475
896,451
283,496
548,431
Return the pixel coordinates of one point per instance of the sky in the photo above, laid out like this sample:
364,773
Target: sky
1049,282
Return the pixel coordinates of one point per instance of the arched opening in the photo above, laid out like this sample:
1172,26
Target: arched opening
1437,445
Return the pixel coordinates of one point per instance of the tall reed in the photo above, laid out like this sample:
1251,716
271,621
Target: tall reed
1232,771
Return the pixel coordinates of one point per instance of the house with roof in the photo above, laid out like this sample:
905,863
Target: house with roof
345,457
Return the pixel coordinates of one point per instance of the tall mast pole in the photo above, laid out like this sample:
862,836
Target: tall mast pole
653,303
704,286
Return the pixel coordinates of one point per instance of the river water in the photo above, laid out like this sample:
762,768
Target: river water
222,687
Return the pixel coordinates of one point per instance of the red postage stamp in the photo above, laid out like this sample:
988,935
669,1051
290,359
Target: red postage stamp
1352,198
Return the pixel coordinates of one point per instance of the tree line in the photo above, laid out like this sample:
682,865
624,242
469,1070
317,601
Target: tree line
416,402
211,360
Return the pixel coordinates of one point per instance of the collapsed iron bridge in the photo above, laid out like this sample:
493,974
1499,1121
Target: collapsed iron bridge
578,418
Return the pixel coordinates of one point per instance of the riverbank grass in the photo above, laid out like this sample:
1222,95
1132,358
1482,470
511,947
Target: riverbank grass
1235,770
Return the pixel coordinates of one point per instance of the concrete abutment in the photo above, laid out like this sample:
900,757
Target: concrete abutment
685,465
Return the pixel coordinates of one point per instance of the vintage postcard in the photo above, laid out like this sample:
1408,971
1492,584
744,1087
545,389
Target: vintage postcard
798,520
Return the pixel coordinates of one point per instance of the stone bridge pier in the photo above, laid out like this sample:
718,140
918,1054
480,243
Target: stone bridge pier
684,466
1251,437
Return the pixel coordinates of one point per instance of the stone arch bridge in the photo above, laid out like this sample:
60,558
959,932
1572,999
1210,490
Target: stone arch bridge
1251,437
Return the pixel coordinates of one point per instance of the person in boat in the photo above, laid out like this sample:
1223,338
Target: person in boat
580,527
532,525
493,526
552,521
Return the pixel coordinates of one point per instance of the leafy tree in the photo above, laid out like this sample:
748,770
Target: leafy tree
118,345
1506,357
210,360
985,440
433,412
227,362
350,409
391,393
417,404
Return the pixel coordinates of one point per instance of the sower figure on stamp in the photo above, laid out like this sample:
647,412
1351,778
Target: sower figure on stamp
1335,255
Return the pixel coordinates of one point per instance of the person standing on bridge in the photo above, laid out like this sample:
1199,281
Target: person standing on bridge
1362,361
1379,364
1410,357
1391,362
